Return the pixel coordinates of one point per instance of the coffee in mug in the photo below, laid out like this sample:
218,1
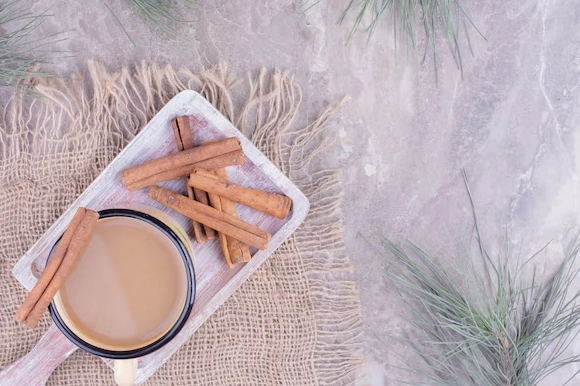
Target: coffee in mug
127,289
131,291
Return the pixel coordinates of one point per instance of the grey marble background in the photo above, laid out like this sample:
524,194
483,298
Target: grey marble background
511,122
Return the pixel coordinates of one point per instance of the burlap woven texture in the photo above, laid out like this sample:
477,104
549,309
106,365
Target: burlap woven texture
290,324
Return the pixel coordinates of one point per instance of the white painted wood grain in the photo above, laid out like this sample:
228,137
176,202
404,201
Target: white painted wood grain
215,282
34,368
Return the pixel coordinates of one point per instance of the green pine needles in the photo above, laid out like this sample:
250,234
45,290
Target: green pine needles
20,53
497,326
165,15
414,20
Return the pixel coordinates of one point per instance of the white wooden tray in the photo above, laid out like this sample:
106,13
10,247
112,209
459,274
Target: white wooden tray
215,281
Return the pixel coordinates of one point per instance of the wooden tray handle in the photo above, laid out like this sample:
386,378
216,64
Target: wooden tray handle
35,368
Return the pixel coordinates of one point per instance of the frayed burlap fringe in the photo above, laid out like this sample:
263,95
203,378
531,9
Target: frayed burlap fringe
295,322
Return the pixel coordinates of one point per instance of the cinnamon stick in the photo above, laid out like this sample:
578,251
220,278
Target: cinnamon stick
216,203
237,251
219,221
229,159
183,133
180,159
202,197
198,232
184,139
276,205
78,242
51,267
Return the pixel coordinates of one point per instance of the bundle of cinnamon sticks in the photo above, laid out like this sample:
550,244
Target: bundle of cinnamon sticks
70,247
211,197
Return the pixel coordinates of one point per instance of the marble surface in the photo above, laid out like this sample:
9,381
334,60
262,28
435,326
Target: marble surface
511,122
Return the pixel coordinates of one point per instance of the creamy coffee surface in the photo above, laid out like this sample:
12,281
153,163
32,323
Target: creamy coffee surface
127,290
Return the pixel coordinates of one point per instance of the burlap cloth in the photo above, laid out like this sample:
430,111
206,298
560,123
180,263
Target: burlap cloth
292,323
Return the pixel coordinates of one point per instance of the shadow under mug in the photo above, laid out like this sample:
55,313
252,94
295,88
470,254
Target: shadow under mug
125,362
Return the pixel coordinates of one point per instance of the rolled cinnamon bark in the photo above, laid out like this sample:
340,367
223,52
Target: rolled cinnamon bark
229,159
184,138
238,252
219,221
276,205
202,197
51,267
216,203
198,232
178,160
183,133
78,243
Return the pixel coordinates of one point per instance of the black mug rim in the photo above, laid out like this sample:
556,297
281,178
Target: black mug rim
177,326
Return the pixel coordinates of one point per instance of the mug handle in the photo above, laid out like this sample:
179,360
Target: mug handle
125,371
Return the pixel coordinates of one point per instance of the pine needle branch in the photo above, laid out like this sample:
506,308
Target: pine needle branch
511,331
20,53
164,15
435,20
516,334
